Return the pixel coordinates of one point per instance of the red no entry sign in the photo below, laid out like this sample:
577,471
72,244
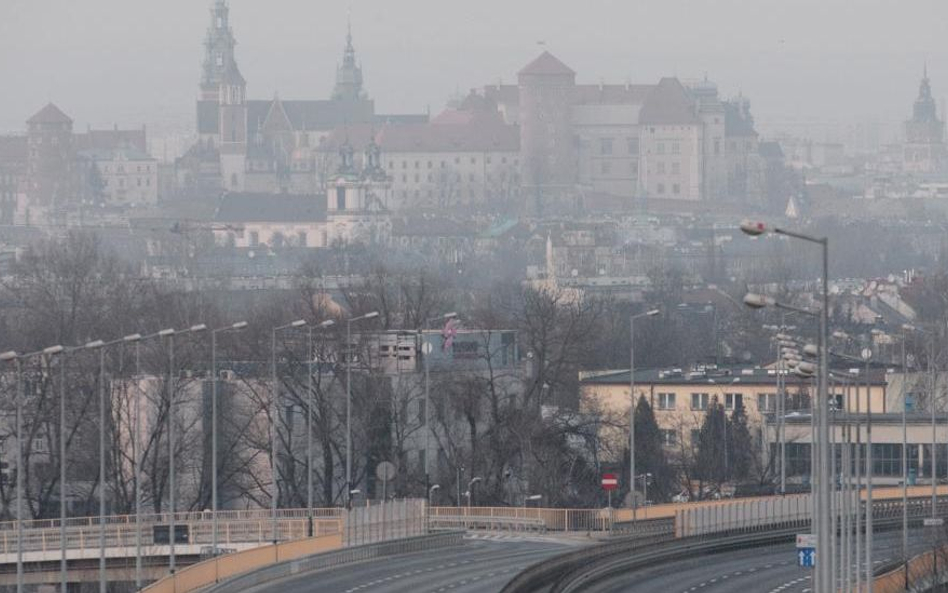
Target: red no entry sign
610,482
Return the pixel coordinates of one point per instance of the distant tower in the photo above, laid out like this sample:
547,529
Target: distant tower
219,51
349,74
51,157
925,150
233,128
546,134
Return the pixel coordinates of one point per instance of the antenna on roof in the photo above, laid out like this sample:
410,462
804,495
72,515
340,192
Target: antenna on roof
541,43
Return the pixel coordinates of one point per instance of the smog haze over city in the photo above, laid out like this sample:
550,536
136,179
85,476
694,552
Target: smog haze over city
525,296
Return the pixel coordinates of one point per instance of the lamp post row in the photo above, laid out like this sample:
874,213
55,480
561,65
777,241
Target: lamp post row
102,346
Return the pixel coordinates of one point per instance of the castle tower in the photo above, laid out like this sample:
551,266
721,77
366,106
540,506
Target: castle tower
233,128
546,137
348,74
51,158
218,51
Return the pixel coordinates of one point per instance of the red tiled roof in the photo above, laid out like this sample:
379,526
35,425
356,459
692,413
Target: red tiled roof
50,115
545,65
668,103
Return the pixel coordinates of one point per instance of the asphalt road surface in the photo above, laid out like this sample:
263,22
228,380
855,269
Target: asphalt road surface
765,570
478,565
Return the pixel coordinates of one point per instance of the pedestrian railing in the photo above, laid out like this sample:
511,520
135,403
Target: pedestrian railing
234,527
512,524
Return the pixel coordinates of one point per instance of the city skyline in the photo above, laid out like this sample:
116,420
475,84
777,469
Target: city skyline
154,81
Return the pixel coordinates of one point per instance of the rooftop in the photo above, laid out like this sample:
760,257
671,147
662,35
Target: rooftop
709,375
272,208
546,64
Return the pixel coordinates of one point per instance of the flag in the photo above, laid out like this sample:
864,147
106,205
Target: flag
448,334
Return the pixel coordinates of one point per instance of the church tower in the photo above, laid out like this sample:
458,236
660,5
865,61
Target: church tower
233,128
218,51
348,75
925,150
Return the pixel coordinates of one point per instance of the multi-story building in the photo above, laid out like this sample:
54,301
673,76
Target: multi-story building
122,176
666,141
680,398
925,150
13,176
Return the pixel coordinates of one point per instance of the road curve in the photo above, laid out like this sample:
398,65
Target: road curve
478,565
770,569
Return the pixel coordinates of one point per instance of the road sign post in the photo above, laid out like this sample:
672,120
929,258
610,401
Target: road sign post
609,483
806,550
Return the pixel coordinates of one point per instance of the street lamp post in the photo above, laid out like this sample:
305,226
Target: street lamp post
425,354
650,313
172,525
214,430
824,580
275,425
18,359
310,355
349,323
470,492
103,424
434,488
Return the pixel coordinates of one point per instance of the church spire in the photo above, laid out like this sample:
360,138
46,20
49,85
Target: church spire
349,73
218,51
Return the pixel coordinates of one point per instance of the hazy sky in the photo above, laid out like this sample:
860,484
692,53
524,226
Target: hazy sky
133,62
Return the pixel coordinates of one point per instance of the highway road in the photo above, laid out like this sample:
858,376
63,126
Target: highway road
763,570
479,565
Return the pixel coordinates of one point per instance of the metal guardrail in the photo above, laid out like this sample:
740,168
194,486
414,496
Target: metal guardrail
516,524
337,559
576,570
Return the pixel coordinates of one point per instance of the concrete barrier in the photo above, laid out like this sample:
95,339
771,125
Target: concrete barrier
215,570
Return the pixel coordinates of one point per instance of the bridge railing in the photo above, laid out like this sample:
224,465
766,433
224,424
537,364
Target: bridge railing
234,527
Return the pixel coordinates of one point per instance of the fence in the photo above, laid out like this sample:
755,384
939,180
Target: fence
209,572
234,527
384,521
923,574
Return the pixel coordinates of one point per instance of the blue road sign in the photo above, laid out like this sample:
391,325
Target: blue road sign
806,557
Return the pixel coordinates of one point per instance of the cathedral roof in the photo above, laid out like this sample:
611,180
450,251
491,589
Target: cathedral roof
50,115
546,65
668,103
302,115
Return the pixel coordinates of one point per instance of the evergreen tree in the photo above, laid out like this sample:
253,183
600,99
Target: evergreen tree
650,455
740,446
711,458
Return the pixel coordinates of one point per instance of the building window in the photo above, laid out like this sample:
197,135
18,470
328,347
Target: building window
430,164
473,161
666,401
254,238
766,402
676,148
661,188
605,146
699,401
676,168
717,146
660,148
669,438
633,145
676,189
733,401
340,198
660,168
404,164
606,167
301,238
417,178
